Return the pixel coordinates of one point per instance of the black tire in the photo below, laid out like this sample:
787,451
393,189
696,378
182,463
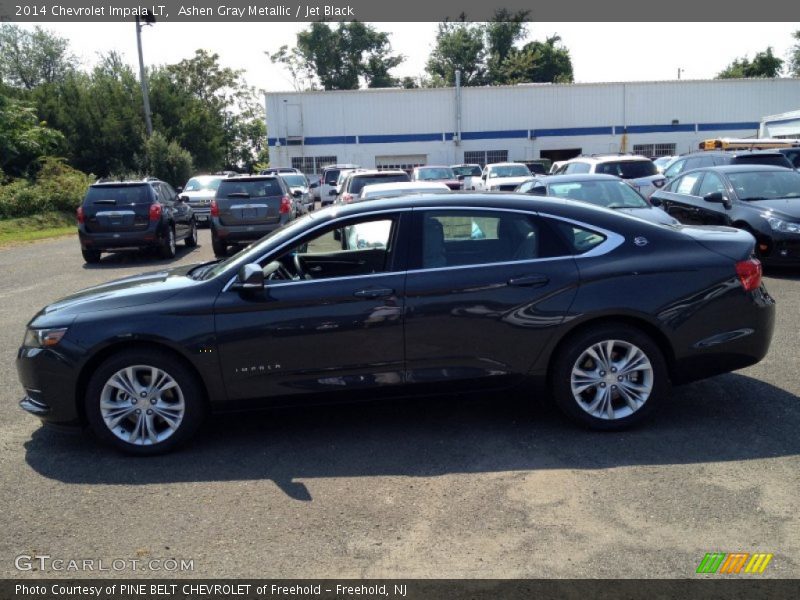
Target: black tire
187,385
91,256
219,248
191,239
657,379
167,248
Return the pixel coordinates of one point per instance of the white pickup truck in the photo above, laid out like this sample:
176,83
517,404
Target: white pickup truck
502,177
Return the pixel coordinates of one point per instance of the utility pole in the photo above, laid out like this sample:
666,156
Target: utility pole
680,71
148,20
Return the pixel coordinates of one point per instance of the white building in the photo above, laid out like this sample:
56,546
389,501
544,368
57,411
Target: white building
783,125
403,128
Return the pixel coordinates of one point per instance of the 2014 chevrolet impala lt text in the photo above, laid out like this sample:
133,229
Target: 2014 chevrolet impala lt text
405,296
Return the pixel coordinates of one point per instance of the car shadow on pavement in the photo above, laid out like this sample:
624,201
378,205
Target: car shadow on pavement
728,418
128,259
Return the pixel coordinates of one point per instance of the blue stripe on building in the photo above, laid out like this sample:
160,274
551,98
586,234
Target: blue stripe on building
391,138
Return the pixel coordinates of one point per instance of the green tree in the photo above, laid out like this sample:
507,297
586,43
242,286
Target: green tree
764,64
539,62
24,139
167,160
459,46
503,32
794,56
31,58
341,58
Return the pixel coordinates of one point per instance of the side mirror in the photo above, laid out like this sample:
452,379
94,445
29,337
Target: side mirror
460,177
178,189
314,185
717,198
332,192
183,198
297,193
655,201
250,277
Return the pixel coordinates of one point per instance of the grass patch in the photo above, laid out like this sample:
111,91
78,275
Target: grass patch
37,227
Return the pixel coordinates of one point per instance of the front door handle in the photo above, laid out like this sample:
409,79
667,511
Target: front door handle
534,280
374,293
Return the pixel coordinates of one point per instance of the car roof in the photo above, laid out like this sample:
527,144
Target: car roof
379,172
577,177
601,158
433,167
251,178
731,153
505,164
404,185
746,168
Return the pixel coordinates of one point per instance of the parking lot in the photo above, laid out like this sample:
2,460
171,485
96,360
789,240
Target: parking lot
465,486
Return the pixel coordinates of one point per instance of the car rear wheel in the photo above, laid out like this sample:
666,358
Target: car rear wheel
220,249
609,377
143,402
168,248
191,239
91,256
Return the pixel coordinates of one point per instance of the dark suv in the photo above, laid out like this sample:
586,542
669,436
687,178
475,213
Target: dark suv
247,208
134,214
715,158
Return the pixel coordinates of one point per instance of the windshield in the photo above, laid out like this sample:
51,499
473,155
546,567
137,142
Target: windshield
432,173
255,250
611,194
467,171
627,169
294,180
198,184
510,171
242,188
766,185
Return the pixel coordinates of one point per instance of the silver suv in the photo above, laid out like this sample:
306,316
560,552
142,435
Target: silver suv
638,171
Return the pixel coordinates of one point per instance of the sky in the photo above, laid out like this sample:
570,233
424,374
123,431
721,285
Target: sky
599,51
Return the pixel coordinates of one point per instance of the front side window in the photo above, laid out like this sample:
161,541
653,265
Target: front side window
711,183
675,168
456,238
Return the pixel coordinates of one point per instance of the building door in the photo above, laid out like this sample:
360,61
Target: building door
561,154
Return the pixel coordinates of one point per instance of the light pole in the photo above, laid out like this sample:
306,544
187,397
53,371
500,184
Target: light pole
148,20
680,71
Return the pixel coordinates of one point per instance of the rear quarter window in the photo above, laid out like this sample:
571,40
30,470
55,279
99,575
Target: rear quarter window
579,240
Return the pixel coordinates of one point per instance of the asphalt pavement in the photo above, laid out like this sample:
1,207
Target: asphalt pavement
435,487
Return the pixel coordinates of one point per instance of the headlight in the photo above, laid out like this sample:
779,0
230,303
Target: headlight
777,224
43,338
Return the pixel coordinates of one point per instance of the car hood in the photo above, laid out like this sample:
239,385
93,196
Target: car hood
147,288
782,207
654,215
199,195
506,180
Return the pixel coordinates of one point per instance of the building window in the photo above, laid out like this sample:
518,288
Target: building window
655,150
312,164
404,162
485,157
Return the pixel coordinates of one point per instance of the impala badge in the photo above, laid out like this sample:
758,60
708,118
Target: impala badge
640,241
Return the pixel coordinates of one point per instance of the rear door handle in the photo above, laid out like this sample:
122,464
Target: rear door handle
529,280
374,293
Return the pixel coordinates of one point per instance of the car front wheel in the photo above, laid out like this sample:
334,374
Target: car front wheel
143,402
609,377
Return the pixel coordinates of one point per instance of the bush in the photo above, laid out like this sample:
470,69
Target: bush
57,187
167,160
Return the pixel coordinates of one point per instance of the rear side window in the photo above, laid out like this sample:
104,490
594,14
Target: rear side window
331,176
118,195
628,169
577,167
453,238
249,189
358,182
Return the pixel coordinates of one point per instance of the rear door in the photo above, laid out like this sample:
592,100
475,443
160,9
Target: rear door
117,208
250,201
489,289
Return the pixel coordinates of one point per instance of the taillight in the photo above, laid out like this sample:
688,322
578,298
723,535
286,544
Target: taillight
79,214
214,208
155,212
286,205
749,272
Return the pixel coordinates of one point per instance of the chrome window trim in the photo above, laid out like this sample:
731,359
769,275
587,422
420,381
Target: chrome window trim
613,240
